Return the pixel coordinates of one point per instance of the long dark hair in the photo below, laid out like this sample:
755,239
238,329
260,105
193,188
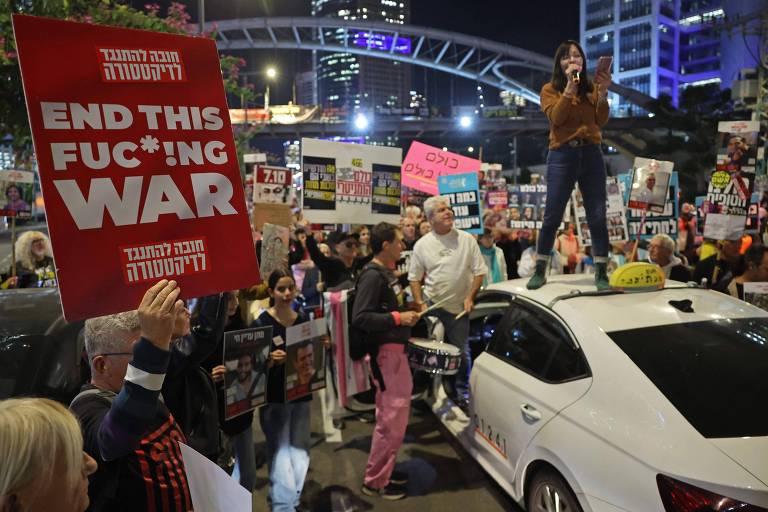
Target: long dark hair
274,277
559,80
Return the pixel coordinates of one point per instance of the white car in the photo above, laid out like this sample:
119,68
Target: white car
643,402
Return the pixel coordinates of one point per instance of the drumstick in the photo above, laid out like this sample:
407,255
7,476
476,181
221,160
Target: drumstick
437,304
460,315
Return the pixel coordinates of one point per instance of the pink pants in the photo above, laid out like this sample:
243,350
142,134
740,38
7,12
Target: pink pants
393,406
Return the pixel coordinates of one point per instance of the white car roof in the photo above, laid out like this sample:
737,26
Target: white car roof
616,312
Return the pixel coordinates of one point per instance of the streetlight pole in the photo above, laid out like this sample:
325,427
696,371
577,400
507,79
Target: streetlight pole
271,74
201,11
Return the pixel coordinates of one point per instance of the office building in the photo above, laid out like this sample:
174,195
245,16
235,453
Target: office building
663,46
306,88
348,82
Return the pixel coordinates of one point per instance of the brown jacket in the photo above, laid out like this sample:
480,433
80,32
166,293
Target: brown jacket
573,118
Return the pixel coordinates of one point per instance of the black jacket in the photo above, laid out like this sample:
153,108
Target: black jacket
188,389
376,297
334,271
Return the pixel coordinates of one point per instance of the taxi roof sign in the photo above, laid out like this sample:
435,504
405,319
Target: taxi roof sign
637,277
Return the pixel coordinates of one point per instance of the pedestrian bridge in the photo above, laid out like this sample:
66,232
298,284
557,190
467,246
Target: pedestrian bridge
475,58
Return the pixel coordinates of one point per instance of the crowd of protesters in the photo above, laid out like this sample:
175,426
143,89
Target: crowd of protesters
157,374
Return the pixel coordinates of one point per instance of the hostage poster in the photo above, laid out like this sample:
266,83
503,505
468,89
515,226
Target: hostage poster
664,223
650,184
246,353
305,359
616,219
137,163
526,206
350,181
18,193
728,199
738,145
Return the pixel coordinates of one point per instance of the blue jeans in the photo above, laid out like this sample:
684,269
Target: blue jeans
286,428
245,459
457,334
566,166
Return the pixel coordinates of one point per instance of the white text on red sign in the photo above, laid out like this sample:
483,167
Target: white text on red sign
167,260
120,65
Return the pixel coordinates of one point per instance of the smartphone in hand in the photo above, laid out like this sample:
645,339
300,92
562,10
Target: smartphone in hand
604,64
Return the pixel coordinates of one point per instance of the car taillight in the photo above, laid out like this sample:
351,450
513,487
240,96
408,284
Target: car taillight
679,496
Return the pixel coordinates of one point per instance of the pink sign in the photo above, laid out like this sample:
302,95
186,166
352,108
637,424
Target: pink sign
423,164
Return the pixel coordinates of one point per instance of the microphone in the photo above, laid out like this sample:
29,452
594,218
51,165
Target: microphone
575,76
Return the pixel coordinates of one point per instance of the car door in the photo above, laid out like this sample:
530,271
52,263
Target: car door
531,370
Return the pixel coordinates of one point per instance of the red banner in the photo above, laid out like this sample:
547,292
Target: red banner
137,163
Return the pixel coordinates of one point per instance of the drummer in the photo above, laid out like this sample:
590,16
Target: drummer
379,312
454,268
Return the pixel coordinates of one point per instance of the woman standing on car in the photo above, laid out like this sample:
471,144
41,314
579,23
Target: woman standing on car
576,108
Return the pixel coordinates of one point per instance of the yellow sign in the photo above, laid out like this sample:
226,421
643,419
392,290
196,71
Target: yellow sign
720,179
637,277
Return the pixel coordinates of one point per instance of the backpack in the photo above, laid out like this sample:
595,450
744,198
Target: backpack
358,346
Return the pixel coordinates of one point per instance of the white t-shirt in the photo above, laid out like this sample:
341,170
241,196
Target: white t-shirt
450,262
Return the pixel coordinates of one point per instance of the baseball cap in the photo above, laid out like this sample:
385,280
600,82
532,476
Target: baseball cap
339,236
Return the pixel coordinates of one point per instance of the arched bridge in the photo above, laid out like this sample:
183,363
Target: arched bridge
470,57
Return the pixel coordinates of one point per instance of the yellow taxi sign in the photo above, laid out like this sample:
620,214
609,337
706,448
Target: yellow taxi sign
637,277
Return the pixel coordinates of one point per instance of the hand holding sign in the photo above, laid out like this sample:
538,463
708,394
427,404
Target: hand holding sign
158,311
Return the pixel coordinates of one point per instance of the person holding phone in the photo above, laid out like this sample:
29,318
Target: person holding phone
576,108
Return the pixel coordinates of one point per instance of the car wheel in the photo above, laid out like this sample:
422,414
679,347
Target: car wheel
549,492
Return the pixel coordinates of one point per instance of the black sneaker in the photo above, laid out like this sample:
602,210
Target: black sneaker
398,478
391,492
366,417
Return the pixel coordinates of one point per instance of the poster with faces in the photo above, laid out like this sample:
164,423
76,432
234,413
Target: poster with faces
305,361
272,185
246,353
738,144
650,183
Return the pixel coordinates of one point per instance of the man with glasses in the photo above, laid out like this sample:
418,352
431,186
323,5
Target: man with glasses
126,426
452,267
661,251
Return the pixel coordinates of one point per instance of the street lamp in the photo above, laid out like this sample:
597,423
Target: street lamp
361,122
465,121
271,74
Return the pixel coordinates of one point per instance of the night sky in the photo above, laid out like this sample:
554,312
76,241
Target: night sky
534,25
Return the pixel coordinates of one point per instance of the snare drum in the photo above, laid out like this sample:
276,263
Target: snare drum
433,357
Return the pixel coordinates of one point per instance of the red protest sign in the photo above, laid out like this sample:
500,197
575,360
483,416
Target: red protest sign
137,163
424,164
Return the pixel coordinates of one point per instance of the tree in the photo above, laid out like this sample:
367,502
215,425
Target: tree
13,110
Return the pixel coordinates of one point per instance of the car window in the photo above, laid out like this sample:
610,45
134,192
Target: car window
537,343
714,372
488,312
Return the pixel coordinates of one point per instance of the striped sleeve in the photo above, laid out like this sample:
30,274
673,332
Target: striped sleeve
135,407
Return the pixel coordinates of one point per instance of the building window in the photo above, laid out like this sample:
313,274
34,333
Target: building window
635,47
597,46
641,84
667,8
634,9
599,13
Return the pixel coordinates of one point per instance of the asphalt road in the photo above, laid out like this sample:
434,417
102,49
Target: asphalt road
442,477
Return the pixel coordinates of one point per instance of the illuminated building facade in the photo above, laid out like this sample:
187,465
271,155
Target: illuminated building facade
348,82
663,46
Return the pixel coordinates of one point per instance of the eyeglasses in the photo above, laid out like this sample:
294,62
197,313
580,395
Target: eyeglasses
113,354
351,244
